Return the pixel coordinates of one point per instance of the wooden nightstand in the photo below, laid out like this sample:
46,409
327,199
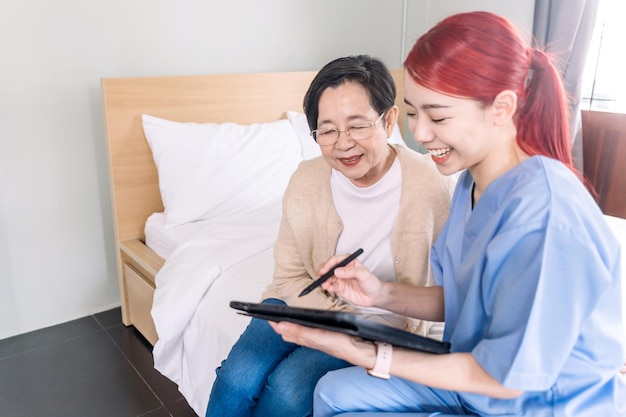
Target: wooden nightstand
139,267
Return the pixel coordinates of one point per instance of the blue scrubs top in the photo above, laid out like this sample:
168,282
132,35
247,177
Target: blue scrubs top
532,288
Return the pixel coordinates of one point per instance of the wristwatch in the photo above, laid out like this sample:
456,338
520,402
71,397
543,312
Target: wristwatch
384,352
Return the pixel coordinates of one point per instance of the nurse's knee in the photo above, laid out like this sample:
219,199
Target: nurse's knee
328,391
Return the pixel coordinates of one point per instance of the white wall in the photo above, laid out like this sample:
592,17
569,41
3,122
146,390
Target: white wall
423,14
57,259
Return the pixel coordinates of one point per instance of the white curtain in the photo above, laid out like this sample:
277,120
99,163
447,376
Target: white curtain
564,28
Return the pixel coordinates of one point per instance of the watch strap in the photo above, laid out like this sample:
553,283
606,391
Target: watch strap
384,352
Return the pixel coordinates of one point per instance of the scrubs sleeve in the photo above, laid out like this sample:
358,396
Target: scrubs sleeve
538,289
436,257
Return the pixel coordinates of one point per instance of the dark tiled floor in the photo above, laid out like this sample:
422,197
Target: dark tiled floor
90,367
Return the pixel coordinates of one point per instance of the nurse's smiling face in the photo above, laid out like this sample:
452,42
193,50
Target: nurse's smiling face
453,130
462,133
364,161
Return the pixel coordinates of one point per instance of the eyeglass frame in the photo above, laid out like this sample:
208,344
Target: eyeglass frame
313,133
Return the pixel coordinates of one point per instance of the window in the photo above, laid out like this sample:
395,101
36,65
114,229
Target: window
604,85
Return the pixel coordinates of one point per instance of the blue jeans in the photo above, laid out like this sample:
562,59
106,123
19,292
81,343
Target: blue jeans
265,376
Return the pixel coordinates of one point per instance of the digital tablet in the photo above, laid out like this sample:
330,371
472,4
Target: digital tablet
344,322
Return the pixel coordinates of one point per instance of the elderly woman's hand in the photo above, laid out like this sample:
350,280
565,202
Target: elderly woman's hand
354,282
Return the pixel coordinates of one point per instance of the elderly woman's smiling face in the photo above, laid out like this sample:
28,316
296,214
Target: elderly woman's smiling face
363,161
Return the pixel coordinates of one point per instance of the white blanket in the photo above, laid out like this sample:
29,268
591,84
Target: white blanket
191,312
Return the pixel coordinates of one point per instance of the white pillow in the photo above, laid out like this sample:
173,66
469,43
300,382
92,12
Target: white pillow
396,136
310,149
216,171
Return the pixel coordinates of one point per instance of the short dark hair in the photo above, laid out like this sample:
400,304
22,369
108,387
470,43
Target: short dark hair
369,72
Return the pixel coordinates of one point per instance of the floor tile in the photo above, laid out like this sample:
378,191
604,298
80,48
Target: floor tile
93,366
48,336
159,412
109,318
139,352
82,376
182,409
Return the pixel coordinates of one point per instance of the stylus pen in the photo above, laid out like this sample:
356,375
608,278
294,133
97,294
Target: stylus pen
330,273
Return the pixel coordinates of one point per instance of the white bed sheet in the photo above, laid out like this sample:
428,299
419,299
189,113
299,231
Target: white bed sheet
216,327
196,327
163,241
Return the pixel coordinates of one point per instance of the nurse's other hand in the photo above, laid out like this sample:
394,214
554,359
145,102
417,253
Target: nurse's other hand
342,346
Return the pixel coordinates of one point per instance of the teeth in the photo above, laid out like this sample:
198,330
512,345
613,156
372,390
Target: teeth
439,152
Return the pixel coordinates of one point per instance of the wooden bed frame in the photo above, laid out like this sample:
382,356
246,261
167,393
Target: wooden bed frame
238,98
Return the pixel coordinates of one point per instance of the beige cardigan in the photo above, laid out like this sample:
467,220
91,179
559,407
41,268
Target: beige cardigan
310,228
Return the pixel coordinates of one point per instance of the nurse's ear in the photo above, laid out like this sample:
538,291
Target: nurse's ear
504,107
391,119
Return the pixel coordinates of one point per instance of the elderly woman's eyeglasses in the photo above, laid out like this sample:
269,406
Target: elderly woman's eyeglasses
360,131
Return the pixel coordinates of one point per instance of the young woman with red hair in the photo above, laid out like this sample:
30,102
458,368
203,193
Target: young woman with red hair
527,272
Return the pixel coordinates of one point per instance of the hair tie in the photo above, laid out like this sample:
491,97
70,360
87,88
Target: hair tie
529,78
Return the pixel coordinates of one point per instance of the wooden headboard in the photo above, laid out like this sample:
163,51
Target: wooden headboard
238,98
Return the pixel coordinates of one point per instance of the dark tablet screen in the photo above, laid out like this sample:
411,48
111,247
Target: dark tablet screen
344,322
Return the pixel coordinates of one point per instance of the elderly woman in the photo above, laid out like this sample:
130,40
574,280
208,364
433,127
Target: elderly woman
361,193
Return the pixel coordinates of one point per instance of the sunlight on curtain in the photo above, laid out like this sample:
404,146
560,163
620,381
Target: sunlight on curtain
604,85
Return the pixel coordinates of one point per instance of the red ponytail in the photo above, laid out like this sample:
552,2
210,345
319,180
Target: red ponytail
542,126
